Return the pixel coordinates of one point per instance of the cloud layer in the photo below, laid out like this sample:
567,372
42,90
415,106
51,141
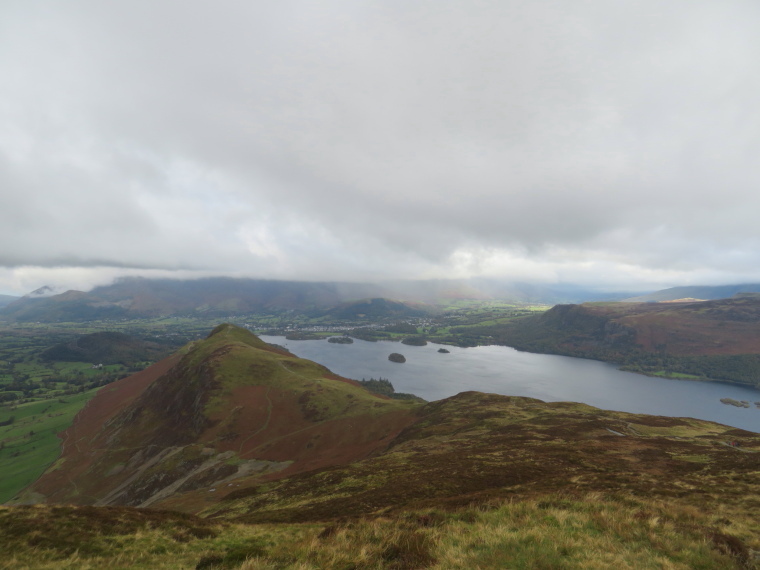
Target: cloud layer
600,142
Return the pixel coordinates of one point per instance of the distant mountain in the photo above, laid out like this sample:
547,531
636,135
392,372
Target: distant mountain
44,291
707,293
222,297
712,340
374,309
212,297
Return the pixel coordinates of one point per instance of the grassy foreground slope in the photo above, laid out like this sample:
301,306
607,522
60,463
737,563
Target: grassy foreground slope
553,531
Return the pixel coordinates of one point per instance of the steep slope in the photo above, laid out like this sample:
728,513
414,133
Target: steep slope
230,406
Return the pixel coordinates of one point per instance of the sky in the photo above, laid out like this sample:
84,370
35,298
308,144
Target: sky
612,144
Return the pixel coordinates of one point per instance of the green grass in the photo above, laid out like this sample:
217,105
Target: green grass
666,374
30,443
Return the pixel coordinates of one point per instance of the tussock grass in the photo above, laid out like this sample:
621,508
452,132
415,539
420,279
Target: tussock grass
594,531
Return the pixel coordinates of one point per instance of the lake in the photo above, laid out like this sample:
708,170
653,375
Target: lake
504,370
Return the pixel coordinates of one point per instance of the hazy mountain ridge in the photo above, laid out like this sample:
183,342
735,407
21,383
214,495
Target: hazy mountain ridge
703,292
138,297
220,297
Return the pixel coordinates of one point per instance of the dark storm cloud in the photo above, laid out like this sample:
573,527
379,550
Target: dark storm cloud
548,140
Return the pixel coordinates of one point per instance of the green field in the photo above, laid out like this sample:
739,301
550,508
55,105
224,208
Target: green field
29,444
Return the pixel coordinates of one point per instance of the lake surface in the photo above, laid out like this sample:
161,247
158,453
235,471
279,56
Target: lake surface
504,370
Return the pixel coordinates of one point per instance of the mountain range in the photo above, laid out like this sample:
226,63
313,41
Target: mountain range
218,297
221,297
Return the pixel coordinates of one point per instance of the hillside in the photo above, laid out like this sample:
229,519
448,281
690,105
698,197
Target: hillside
718,340
475,447
7,300
277,463
106,348
224,408
374,309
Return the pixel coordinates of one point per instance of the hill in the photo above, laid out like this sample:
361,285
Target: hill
713,340
225,408
277,463
106,348
374,309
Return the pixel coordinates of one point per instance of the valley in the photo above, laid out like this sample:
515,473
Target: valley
242,455
196,449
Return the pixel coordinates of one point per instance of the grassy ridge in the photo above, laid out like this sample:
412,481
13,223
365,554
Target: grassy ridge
29,443
230,408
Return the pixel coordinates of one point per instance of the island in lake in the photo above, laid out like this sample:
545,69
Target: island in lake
341,340
396,357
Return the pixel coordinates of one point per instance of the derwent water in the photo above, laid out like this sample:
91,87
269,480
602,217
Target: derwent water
503,370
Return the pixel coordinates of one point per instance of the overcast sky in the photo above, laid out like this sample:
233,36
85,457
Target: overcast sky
603,142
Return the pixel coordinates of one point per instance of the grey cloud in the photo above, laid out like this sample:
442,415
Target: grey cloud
307,139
